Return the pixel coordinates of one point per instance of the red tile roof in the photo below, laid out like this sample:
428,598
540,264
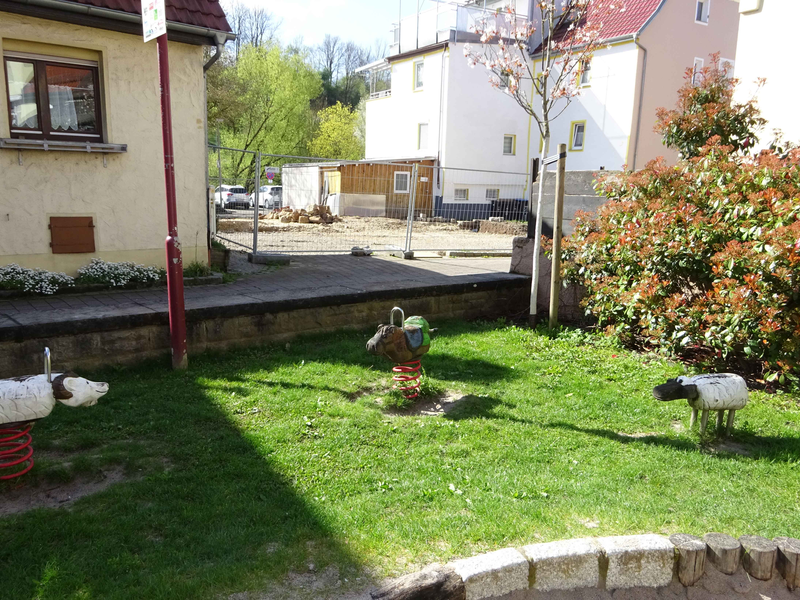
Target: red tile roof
619,23
201,13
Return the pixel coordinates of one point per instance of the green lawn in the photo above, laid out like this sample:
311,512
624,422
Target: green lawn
257,462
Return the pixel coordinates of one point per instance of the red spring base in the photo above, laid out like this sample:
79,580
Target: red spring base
407,376
16,453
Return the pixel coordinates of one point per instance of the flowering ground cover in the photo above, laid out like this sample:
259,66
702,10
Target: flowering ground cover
263,462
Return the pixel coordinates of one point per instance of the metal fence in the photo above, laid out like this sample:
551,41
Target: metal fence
313,205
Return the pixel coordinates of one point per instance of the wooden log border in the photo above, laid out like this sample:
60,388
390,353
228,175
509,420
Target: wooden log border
759,557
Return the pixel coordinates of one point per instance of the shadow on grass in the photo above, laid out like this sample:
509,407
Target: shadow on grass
217,519
741,446
483,407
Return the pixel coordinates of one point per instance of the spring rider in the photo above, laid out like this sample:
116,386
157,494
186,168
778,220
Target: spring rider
404,345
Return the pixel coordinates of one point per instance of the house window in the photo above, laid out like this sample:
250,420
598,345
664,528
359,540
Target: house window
697,71
422,136
509,145
402,182
52,98
726,65
492,195
461,194
419,68
577,138
701,11
585,73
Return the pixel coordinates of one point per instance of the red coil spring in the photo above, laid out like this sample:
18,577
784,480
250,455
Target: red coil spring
406,376
15,450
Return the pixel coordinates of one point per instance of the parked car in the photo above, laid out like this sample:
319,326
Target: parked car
232,196
270,196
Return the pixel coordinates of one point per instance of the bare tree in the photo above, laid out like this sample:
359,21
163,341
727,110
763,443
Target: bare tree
252,26
328,55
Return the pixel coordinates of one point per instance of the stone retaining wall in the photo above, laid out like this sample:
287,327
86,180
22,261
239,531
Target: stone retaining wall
128,339
636,566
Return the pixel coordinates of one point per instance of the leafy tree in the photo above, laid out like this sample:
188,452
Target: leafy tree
706,109
338,134
262,101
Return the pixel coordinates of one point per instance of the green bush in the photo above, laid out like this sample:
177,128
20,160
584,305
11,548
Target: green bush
196,269
116,274
699,259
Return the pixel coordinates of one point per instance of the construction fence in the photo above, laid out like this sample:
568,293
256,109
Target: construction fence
270,203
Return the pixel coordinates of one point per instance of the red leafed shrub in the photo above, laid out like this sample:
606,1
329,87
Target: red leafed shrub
701,258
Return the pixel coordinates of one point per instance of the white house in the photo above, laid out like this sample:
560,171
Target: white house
766,29
425,100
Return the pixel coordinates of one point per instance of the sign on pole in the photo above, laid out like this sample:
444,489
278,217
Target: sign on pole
154,19
270,172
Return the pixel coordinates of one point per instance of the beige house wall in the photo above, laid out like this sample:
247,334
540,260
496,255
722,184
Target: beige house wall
673,40
125,195
766,39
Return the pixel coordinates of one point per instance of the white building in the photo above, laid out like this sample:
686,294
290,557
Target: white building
765,43
426,101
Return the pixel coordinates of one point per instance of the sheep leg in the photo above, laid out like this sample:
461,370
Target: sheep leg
703,421
720,416
693,420
731,416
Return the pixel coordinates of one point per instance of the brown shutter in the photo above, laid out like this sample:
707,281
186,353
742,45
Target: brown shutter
71,235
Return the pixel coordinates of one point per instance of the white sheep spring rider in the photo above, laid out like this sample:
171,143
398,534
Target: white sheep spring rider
719,392
24,400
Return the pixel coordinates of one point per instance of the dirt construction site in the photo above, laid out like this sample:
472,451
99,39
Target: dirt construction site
378,233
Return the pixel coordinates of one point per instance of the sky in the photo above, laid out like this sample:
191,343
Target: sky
360,21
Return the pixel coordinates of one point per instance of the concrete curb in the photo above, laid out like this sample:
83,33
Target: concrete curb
608,563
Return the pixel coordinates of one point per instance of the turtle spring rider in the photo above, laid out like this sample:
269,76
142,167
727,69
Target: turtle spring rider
719,392
404,345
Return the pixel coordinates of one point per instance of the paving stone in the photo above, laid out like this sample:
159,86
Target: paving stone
638,561
493,574
563,565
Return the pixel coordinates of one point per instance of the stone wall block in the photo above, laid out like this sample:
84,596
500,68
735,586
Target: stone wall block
638,561
493,574
564,565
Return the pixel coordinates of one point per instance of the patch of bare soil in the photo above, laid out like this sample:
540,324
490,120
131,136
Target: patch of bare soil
327,583
440,405
50,495
731,447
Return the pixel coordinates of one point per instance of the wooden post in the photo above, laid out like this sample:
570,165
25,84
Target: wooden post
759,556
724,551
703,422
692,560
558,212
731,417
788,562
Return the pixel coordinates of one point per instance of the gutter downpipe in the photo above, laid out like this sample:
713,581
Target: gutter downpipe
641,98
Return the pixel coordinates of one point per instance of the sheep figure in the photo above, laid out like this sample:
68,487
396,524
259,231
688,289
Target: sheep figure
719,392
24,399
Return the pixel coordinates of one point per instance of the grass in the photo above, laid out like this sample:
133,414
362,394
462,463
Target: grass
256,462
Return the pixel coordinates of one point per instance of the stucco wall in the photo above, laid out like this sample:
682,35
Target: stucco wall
606,106
673,40
126,196
392,122
771,25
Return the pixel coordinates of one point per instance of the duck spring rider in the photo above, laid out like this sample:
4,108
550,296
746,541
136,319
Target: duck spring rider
404,345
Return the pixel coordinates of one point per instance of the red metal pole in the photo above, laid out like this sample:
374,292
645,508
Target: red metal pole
177,316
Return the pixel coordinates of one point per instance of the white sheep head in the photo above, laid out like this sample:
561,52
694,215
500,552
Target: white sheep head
74,391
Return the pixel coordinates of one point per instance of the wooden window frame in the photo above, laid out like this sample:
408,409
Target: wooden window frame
486,195
465,199
46,132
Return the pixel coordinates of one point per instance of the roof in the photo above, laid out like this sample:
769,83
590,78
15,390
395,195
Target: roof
200,13
615,24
